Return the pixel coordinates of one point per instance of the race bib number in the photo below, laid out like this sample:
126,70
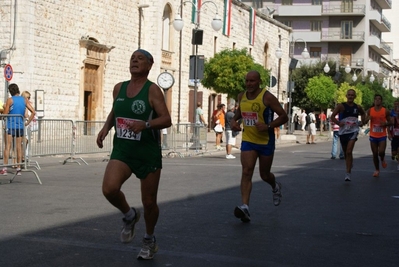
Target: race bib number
249,118
123,131
377,128
396,131
350,122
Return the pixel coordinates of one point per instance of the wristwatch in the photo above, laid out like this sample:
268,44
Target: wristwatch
147,125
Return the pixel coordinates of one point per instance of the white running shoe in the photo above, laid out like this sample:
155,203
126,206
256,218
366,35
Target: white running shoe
347,177
277,194
148,249
127,233
242,213
230,156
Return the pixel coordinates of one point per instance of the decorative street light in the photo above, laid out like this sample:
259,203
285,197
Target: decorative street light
372,78
178,24
279,54
327,68
348,69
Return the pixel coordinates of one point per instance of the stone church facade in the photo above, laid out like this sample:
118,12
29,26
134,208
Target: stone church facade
76,51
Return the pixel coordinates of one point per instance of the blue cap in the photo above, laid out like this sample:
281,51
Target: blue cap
146,54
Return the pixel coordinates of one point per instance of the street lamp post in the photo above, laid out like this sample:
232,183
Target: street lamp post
196,40
279,54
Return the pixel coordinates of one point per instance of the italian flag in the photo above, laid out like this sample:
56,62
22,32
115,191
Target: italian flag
227,17
194,13
252,19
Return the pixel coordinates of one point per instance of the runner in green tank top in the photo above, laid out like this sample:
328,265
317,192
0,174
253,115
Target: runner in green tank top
138,113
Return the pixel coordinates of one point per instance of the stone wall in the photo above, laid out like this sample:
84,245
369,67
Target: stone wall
48,54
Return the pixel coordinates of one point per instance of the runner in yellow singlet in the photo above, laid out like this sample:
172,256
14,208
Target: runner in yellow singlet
256,109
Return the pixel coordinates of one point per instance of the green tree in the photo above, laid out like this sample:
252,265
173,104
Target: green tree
341,93
225,72
367,95
300,77
387,97
321,91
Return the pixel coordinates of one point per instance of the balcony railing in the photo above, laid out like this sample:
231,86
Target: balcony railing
337,35
343,10
386,22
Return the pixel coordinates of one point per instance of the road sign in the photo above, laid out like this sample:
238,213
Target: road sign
8,73
273,81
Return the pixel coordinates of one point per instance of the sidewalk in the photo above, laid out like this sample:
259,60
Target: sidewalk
297,138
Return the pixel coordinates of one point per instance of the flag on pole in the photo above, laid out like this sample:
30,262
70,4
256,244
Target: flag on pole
252,19
194,14
227,17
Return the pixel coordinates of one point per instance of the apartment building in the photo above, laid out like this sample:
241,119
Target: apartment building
346,31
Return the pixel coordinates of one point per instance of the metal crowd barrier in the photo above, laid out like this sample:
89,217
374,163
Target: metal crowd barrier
86,135
65,137
16,135
185,139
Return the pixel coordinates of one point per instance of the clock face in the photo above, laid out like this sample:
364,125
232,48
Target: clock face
166,80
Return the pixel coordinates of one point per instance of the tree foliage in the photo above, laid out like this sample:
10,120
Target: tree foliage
341,94
225,72
365,90
321,91
301,76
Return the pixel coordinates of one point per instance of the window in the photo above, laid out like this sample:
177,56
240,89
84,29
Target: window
317,2
347,6
315,52
287,23
257,4
315,26
346,29
287,3
166,28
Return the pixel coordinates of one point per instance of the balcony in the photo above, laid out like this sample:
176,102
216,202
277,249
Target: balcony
338,36
373,66
384,4
299,11
308,36
341,10
379,21
379,46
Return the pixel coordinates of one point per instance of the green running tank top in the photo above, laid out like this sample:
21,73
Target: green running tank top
142,149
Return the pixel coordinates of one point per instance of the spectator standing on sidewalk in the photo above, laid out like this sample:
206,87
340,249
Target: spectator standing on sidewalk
219,124
199,115
230,139
138,113
15,105
323,121
256,108
379,118
303,120
335,141
348,127
311,128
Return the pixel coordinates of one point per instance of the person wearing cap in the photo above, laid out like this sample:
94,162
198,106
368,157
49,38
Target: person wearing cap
256,109
138,113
